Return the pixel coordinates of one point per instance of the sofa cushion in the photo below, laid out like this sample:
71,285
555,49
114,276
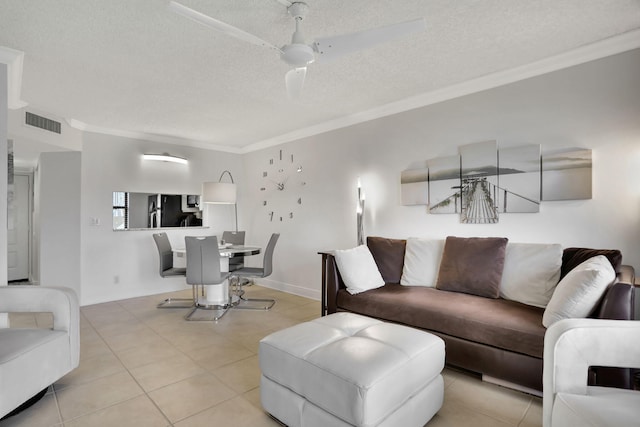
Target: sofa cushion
573,257
389,257
500,323
472,265
580,290
531,272
358,269
421,262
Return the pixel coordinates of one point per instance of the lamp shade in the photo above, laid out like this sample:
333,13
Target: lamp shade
219,192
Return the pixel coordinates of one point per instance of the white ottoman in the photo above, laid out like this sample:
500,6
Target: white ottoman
345,369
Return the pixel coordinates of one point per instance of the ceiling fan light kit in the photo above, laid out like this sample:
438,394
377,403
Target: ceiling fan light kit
298,53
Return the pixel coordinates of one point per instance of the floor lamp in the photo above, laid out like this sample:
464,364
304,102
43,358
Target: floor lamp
222,193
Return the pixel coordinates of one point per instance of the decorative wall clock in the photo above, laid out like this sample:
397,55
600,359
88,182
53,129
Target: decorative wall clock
282,186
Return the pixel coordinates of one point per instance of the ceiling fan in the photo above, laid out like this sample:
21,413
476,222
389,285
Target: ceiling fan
298,53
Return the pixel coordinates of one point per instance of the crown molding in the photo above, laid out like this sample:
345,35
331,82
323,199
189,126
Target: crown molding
14,60
165,139
601,49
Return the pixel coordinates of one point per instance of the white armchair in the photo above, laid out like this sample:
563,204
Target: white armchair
571,346
33,359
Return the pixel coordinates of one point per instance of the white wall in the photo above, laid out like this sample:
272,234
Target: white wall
3,182
595,105
3,172
124,264
58,181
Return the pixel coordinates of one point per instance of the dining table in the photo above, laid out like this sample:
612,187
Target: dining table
219,294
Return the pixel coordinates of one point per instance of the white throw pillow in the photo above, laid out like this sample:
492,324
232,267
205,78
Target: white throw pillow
358,269
531,272
578,292
421,262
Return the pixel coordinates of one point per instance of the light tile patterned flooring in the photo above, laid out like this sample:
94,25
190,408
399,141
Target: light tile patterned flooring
142,366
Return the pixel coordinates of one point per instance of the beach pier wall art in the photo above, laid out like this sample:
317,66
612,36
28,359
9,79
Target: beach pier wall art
484,181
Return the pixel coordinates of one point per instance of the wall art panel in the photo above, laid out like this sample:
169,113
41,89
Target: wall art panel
519,174
444,185
480,189
566,175
414,186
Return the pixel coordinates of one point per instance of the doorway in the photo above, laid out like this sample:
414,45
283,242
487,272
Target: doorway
19,227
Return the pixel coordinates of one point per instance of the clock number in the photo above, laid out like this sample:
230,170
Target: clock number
279,175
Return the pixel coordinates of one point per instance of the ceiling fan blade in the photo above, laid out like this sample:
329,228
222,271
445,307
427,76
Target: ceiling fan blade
210,22
329,48
294,80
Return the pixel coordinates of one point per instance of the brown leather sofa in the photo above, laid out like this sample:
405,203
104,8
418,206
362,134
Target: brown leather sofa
497,338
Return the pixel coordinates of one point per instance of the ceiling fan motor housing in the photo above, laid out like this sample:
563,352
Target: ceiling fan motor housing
297,54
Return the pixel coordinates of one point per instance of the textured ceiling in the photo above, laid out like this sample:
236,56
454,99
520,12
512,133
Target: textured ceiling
133,66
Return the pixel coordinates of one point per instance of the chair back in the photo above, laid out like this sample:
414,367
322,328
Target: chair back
203,261
164,251
267,264
233,237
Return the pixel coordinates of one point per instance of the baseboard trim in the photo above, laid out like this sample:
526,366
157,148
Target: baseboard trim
507,384
289,288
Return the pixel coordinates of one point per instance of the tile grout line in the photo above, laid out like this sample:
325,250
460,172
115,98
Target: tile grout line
236,394
525,412
55,399
144,392
133,376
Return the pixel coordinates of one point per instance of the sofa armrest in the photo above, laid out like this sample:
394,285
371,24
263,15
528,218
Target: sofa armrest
617,303
571,346
62,303
331,283
627,274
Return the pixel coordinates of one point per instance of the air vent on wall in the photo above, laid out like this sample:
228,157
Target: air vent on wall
42,123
